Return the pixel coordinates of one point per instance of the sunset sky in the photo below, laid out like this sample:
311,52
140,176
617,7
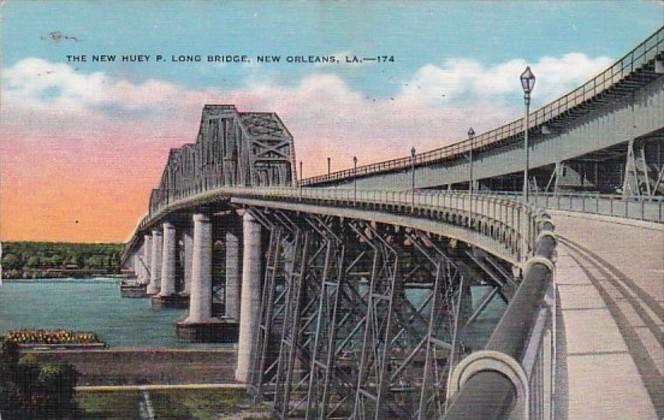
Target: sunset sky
82,143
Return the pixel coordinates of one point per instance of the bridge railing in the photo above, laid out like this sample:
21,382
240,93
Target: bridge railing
641,55
503,219
514,376
631,207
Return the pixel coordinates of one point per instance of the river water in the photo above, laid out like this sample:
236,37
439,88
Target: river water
88,305
96,305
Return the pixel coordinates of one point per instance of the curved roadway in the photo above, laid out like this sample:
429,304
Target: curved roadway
610,275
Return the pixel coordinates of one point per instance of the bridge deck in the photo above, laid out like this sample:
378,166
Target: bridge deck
611,287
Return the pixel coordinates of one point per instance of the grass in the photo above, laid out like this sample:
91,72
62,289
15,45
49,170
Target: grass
109,404
172,404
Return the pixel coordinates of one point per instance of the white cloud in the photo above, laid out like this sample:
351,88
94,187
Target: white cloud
459,78
41,85
325,115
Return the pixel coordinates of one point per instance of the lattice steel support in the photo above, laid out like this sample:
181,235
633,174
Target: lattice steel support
358,320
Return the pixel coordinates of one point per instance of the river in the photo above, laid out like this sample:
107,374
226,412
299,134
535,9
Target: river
89,305
96,305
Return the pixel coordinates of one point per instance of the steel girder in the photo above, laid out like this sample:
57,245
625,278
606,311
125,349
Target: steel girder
358,320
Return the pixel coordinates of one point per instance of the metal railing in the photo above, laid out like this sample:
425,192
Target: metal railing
514,376
634,60
503,219
632,207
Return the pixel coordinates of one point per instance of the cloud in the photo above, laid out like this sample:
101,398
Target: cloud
326,116
40,85
469,80
108,137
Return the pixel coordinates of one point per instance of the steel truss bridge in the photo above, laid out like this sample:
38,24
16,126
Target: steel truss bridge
360,297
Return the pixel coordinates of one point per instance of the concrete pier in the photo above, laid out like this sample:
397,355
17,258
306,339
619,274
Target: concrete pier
250,296
232,277
200,302
200,326
168,261
188,242
147,257
155,263
167,298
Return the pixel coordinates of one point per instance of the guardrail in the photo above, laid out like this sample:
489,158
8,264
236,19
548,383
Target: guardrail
514,376
631,207
643,53
505,220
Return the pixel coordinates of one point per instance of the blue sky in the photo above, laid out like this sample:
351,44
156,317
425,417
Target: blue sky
89,140
416,33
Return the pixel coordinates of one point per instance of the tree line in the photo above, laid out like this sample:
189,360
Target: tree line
54,259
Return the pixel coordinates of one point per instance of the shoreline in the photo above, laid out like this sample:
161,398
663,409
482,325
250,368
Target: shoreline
146,366
41,278
62,279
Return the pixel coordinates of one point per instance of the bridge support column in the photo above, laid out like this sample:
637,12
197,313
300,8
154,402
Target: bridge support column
147,257
250,295
168,261
200,300
167,297
188,242
155,263
232,276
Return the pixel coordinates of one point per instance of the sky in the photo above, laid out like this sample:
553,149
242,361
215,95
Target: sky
83,142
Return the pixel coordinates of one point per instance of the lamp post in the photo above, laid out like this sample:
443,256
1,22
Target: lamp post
527,83
354,178
329,166
301,178
471,134
412,170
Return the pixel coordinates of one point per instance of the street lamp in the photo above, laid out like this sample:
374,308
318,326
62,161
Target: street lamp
329,166
412,170
471,134
301,178
354,178
527,83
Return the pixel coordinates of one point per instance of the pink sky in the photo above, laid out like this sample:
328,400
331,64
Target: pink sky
79,165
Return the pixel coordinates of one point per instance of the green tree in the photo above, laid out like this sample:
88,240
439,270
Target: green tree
34,261
29,389
11,261
57,260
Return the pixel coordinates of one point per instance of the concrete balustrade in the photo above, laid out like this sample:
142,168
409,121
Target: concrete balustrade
232,277
168,261
155,263
200,301
250,296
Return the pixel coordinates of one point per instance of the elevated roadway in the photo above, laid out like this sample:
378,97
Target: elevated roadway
610,279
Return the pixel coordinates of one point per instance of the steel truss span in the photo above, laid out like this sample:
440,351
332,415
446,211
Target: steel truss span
341,334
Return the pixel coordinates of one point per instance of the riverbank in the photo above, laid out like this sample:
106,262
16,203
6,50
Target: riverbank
37,274
146,366
180,403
